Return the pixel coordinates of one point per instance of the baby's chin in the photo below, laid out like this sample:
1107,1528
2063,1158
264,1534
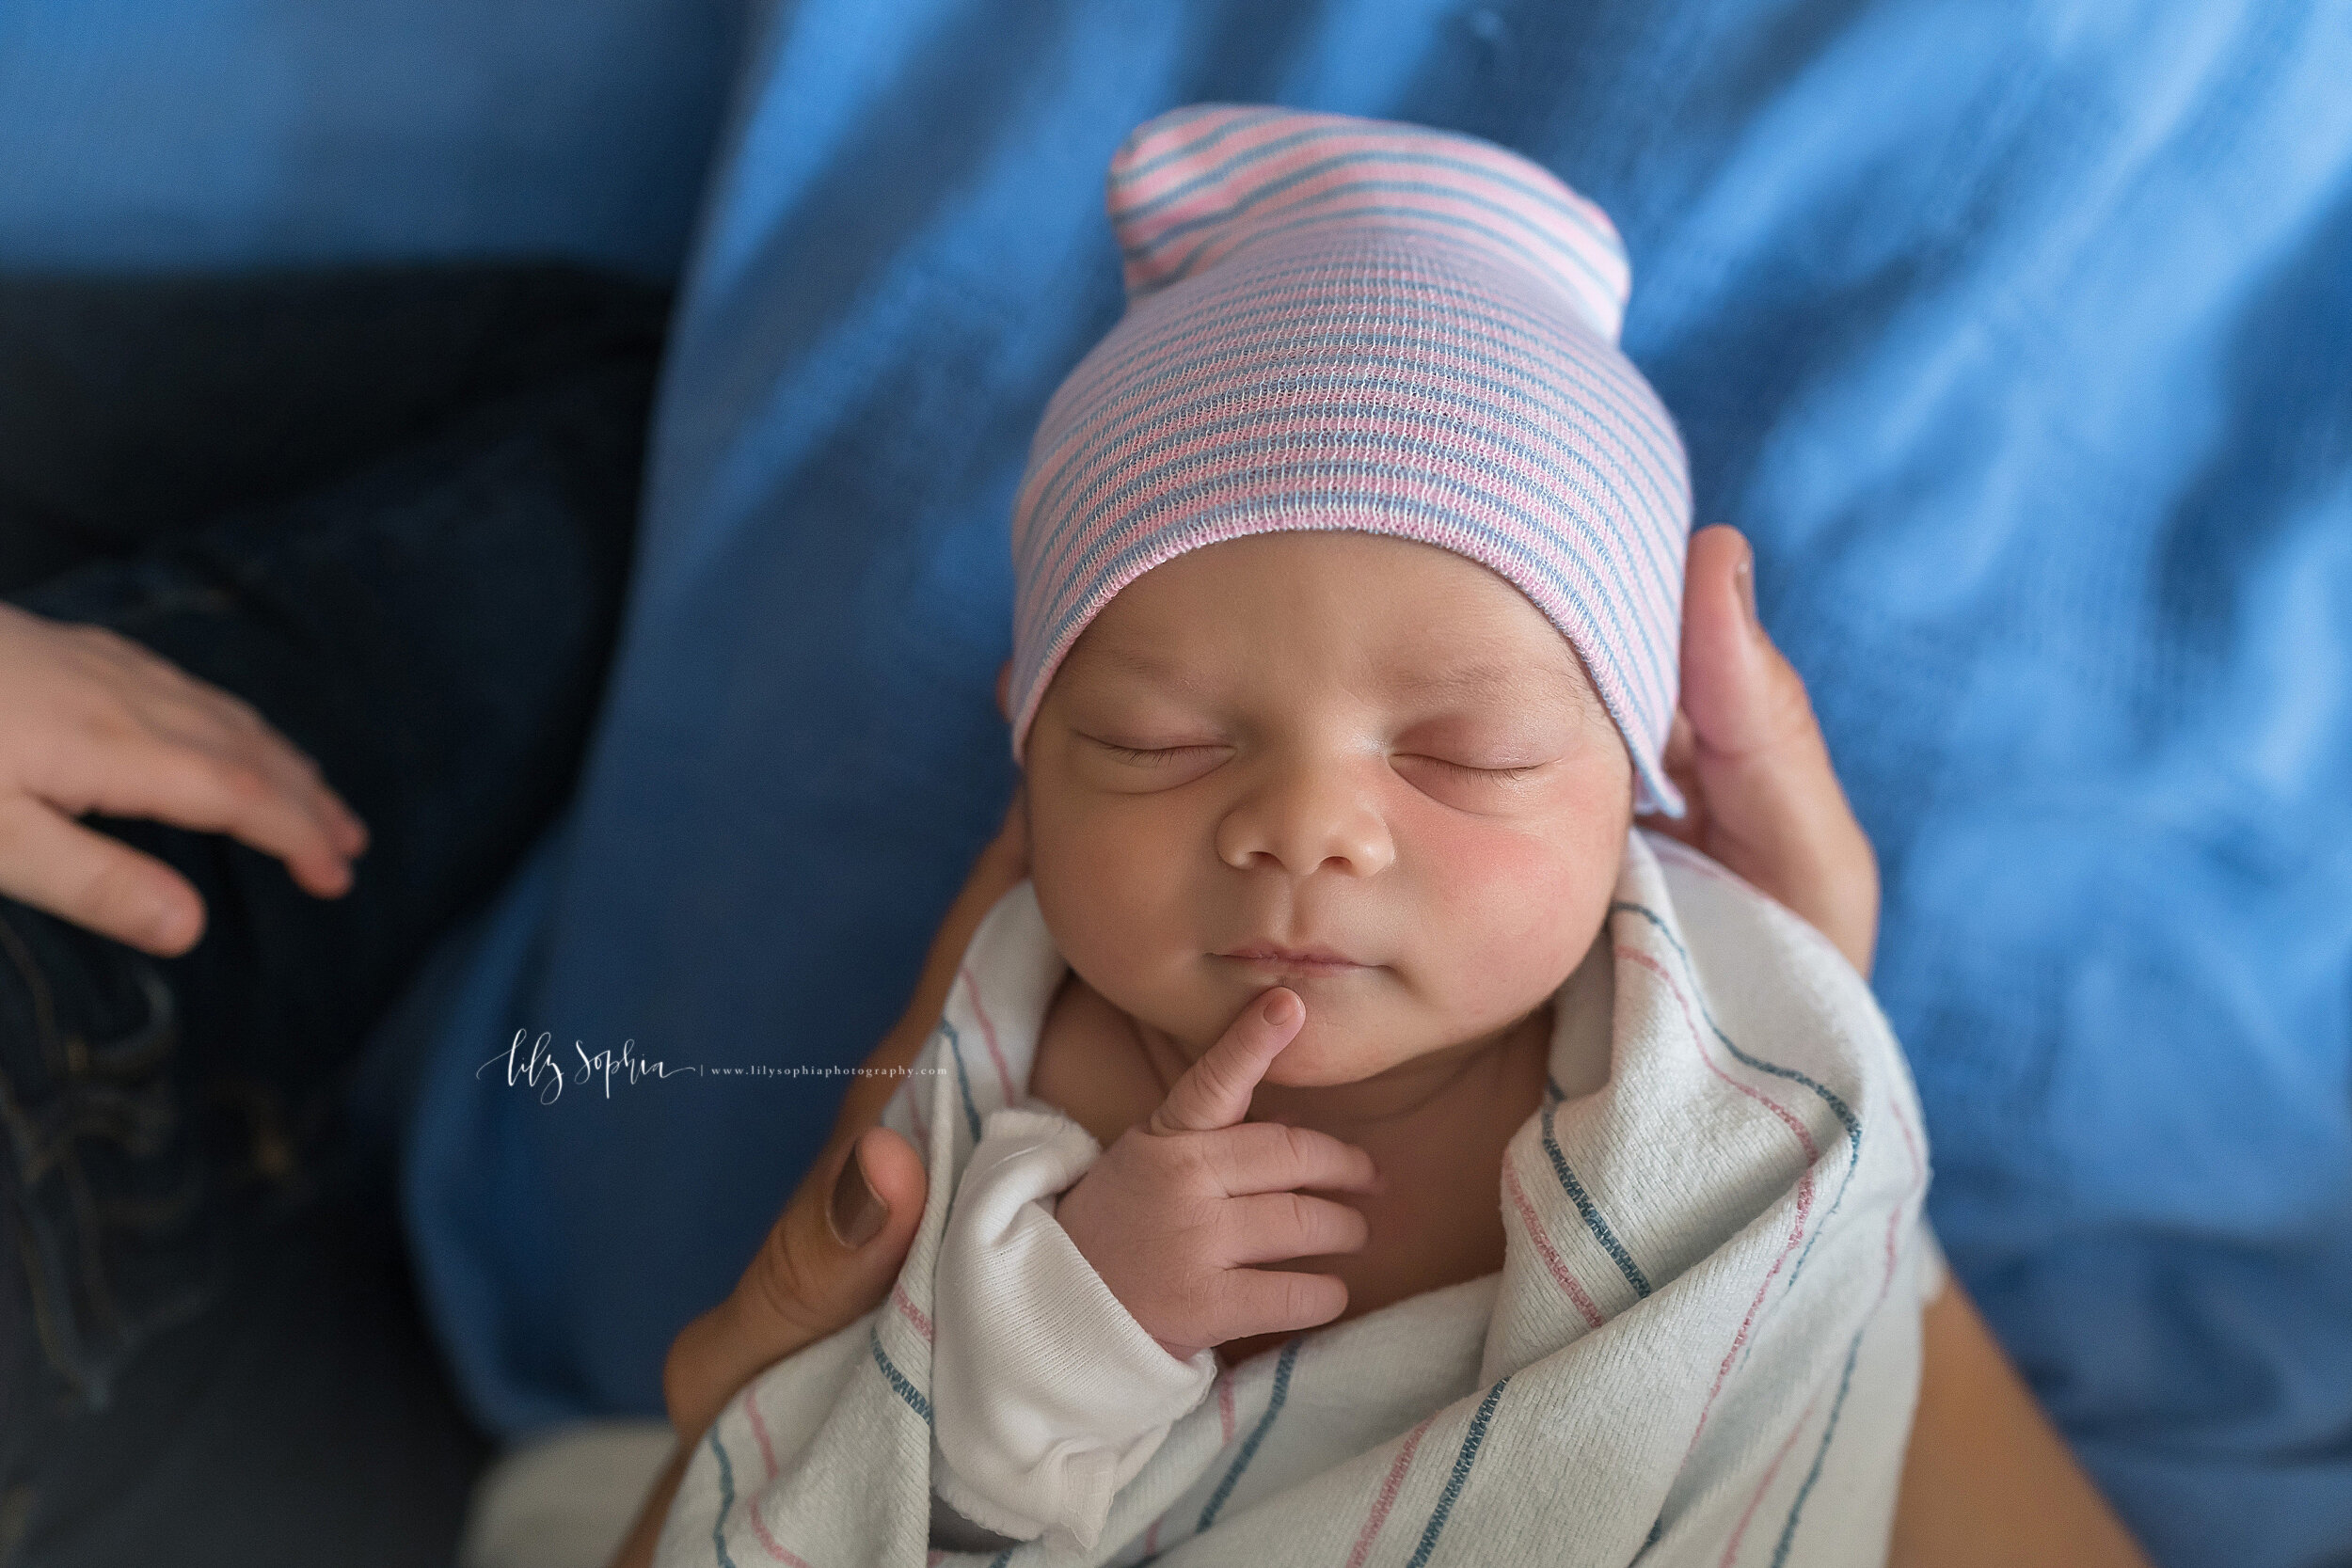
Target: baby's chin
1307,1064
1336,1047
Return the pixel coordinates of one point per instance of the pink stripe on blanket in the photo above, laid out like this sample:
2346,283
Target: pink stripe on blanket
1565,1280
751,1505
789,1558
1731,1549
987,1033
913,1314
1803,1135
1389,1488
1747,1324
760,1430
1918,1189
1804,1183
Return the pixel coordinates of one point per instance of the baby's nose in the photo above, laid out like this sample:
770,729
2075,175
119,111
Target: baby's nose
1307,818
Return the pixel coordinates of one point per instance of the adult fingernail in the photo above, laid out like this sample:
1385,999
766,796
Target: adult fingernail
856,1213
1744,573
1280,1008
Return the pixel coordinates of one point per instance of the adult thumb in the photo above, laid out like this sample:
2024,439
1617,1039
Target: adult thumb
1776,814
1745,701
827,1261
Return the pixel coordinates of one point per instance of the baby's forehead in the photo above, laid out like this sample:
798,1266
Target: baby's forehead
1446,654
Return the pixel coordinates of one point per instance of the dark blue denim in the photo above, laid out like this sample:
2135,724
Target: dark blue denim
392,510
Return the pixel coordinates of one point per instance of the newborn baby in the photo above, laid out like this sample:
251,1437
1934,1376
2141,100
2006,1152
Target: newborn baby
1358,1143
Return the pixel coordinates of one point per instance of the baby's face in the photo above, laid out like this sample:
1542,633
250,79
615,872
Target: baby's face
1362,768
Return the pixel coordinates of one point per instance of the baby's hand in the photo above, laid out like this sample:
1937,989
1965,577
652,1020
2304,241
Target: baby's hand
1172,1212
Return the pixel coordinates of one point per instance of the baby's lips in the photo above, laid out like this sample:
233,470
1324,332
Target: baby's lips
1279,954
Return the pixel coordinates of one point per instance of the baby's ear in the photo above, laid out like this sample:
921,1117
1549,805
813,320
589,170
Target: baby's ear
1003,689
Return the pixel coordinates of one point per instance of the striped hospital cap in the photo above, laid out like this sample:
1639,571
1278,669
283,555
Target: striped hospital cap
1350,324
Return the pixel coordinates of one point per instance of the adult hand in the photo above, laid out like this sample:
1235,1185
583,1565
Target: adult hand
94,723
1748,754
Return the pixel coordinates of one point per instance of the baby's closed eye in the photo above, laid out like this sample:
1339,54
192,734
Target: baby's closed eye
1127,764
1155,755
1490,769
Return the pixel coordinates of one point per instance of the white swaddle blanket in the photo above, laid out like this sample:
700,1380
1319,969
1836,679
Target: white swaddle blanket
1703,1346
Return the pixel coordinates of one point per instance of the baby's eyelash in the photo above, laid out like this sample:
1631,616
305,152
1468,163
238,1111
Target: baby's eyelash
1490,773
1142,753
1147,754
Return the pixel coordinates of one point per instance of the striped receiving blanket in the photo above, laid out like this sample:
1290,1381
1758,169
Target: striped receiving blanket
1703,1346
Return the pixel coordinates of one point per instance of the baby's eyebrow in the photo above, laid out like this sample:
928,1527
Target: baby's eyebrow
1512,680
1136,661
1460,677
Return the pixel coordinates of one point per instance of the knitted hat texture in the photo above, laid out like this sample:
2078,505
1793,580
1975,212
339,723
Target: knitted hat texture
1336,322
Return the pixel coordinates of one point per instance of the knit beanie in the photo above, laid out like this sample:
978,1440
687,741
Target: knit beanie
1336,322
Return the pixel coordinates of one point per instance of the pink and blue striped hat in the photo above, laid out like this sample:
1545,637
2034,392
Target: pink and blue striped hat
1349,324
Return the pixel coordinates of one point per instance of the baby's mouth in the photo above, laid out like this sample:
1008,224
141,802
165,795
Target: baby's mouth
1275,959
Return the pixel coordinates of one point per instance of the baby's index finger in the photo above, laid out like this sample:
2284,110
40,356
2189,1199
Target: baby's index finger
1215,1092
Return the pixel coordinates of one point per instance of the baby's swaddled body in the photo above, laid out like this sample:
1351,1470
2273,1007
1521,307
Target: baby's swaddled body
1704,1340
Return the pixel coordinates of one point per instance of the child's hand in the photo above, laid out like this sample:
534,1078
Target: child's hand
1174,1212
96,722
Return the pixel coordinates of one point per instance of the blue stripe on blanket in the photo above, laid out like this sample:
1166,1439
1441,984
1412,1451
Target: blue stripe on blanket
1257,1435
726,1500
898,1379
1830,1097
963,1078
1470,1443
1796,1510
1584,1205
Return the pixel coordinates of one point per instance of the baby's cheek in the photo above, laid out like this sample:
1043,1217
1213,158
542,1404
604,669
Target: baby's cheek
1515,911
1107,887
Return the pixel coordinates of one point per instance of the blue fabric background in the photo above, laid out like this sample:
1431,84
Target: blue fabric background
151,133
2016,342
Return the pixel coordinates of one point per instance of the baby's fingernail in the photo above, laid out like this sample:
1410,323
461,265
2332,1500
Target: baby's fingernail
1280,1008
856,1213
1744,573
